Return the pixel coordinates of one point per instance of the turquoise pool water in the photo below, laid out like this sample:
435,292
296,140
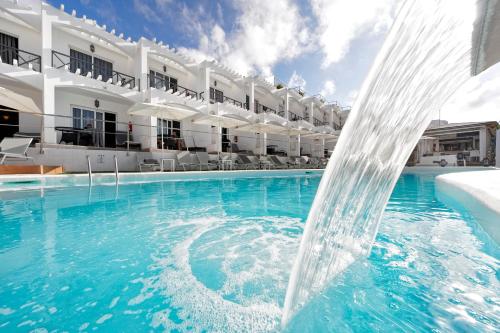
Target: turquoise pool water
214,256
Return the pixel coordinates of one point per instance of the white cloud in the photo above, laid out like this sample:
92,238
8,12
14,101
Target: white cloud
342,21
351,97
145,10
296,81
264,34
476,100
329,89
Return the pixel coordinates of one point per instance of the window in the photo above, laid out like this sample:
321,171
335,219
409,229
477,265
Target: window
170,128
8,48
103,68
216,95
90,120
87,64
159,81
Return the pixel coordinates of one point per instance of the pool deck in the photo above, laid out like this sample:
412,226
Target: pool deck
478,192
484,186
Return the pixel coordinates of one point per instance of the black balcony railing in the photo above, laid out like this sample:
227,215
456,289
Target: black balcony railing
161,83
103,73
25,59
260,108
294,117
233,101
318,122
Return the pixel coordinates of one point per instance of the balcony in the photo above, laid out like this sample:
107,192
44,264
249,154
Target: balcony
294,117
233,101
317,122
260,108
160,83
14,56
92,70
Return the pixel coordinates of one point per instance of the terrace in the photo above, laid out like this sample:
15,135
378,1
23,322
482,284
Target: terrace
20,58
157,82
92,67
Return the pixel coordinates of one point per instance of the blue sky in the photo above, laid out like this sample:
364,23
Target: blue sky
293,40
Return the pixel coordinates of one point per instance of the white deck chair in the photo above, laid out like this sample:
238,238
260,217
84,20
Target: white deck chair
14,148
184,159
204,160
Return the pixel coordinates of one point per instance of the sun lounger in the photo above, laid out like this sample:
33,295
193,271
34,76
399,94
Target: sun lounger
244,162
204,160
149,163
15,148
185,160
277,162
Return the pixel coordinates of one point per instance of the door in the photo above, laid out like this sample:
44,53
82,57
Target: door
110,130
225,140
9,122
8,48
173,84
247,102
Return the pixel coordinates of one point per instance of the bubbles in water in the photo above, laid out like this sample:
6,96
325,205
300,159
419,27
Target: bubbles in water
226,275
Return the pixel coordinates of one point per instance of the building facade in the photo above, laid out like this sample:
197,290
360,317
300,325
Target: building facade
459,144
80,89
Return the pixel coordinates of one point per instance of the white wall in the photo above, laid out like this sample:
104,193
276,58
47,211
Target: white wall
29,40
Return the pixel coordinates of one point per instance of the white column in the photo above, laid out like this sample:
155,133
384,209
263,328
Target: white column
206,84
264,146
287,105
219,133
142,67
48,120
252,96
297,152
482,144
311,118
147,137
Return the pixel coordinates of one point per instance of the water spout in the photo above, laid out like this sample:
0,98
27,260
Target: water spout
424,60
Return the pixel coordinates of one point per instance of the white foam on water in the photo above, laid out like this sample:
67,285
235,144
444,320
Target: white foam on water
262,261
113,302
103,318
6,311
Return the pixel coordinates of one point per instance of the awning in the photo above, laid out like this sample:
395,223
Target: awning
172,111
267,127
17,101
227,120
319,136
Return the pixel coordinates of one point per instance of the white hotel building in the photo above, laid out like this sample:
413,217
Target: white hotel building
63,76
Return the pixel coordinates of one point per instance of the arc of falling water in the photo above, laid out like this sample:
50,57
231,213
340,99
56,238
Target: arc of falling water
424,60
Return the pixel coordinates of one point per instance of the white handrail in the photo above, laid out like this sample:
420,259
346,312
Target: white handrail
90,170
116,169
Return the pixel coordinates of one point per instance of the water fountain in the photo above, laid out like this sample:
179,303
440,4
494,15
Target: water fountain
424,60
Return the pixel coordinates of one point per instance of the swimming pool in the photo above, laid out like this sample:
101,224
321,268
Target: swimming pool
215,255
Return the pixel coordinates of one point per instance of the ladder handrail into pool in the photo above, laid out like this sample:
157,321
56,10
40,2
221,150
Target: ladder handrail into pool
116,169
89,170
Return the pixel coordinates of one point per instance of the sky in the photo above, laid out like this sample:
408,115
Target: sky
324,46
